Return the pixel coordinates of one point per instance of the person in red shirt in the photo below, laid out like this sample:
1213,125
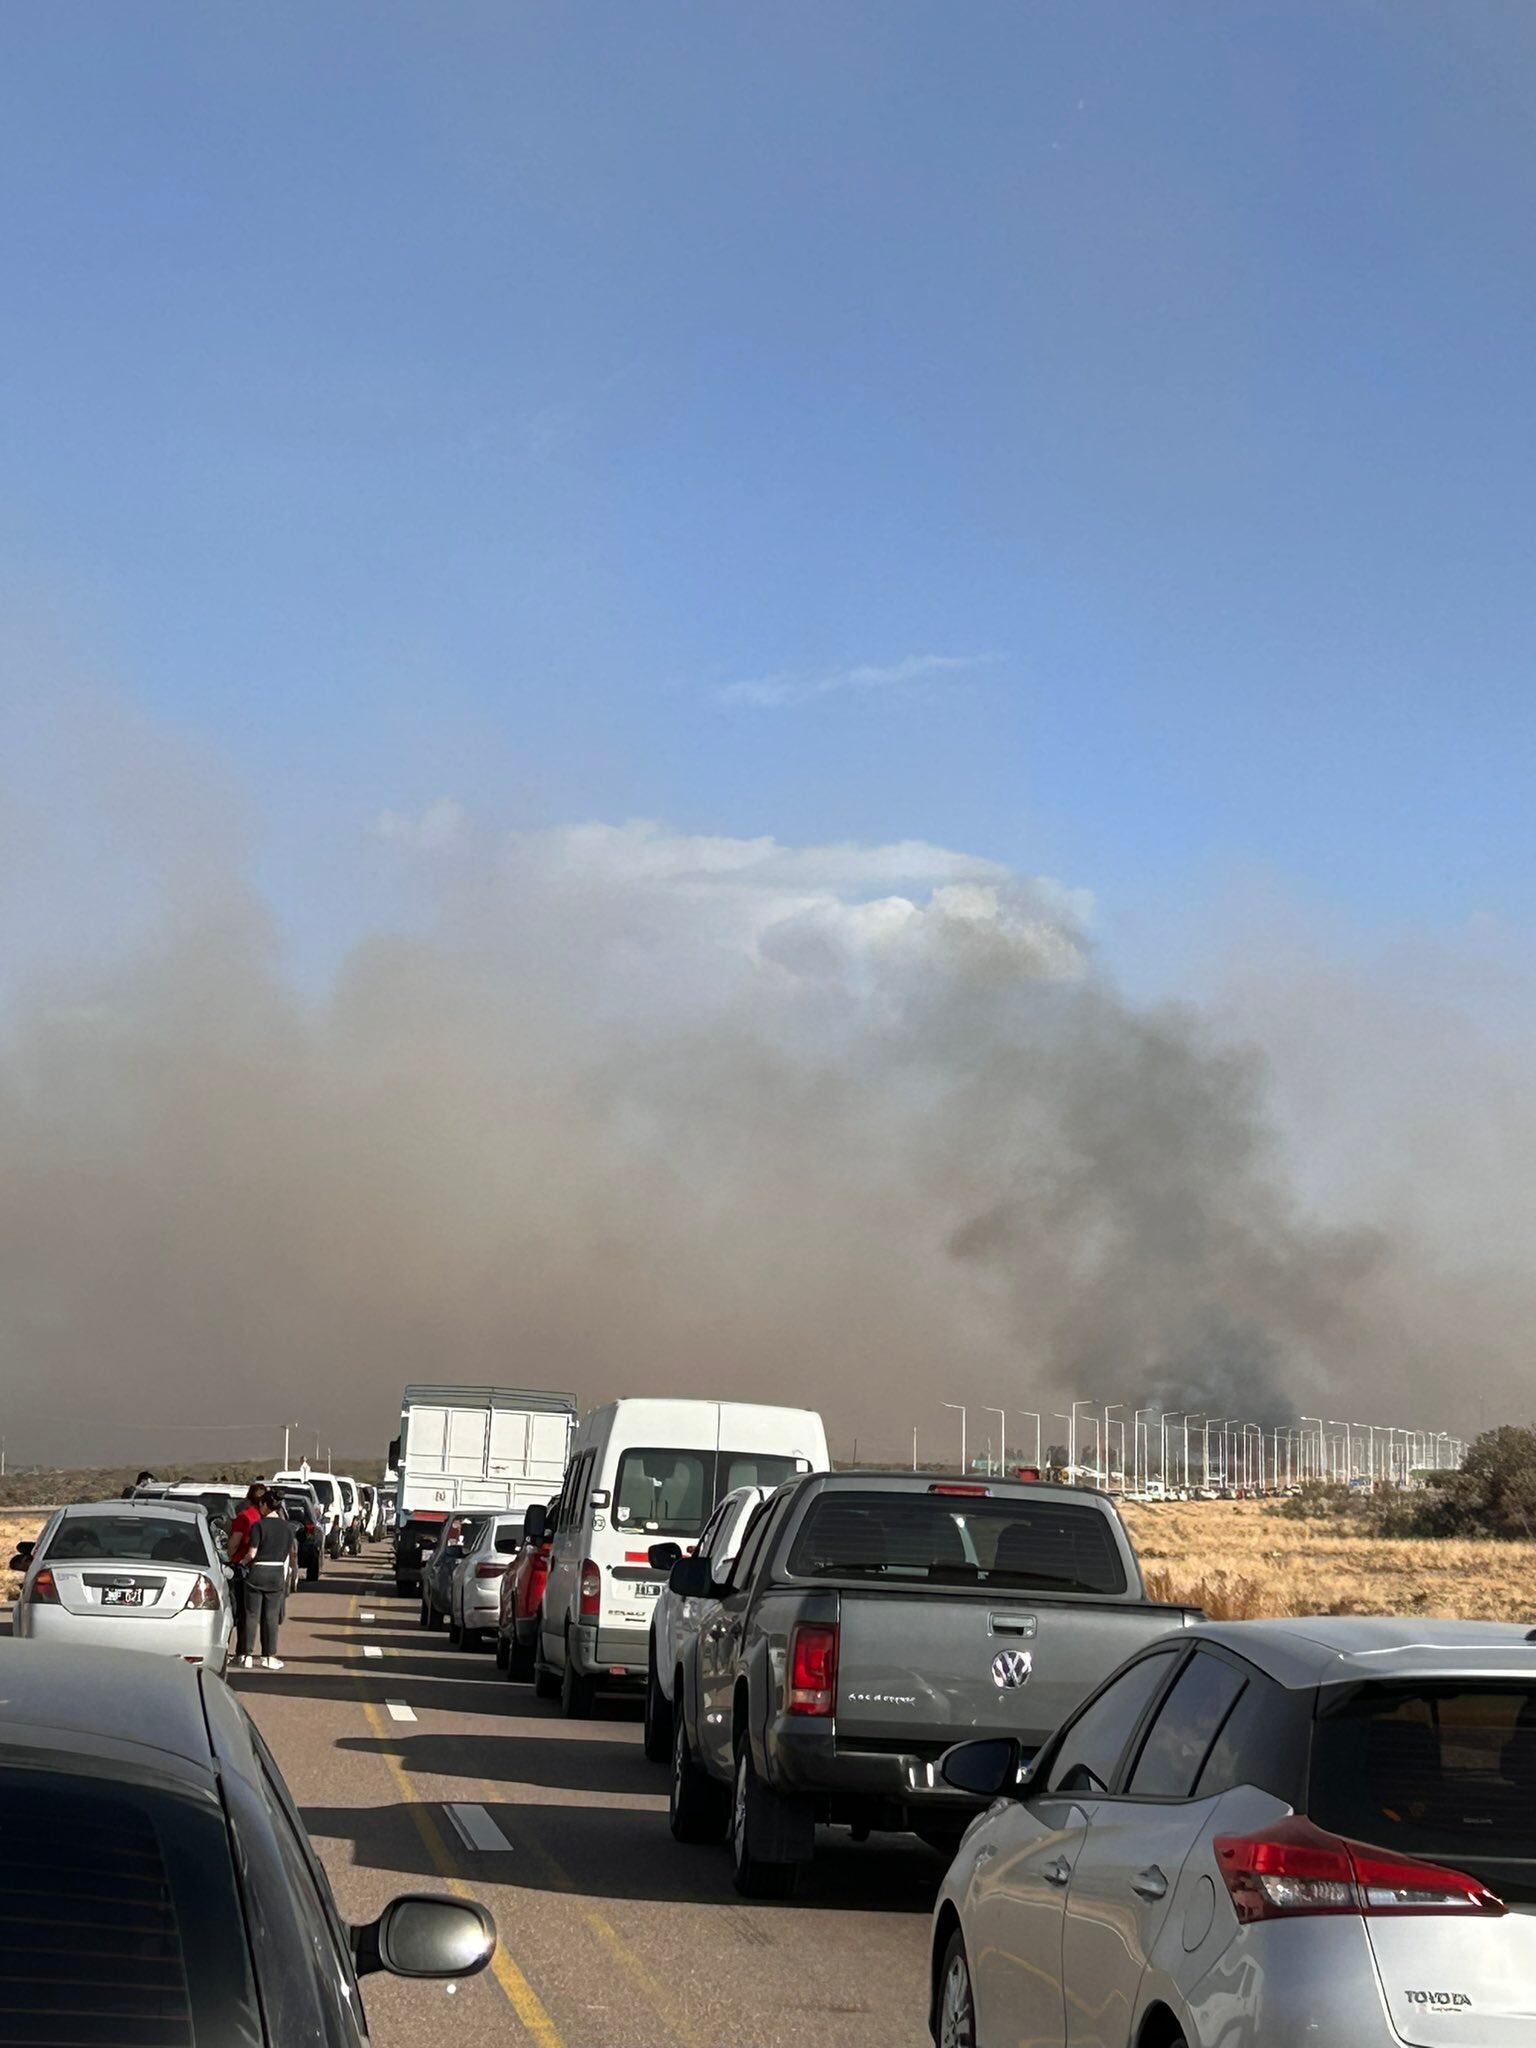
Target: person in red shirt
241,1525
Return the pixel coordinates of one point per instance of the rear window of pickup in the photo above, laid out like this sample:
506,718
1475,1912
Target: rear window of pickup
925,1539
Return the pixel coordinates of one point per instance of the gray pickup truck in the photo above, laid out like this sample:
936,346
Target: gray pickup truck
869,1621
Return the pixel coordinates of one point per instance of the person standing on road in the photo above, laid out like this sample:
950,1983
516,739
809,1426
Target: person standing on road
241,1525
266,1582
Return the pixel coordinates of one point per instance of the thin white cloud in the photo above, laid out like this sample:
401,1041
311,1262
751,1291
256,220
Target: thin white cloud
765,693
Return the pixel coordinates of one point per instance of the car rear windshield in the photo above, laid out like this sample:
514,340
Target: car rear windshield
120,1925
1445,1771
917,1538
325,1492
677,1490
154,1539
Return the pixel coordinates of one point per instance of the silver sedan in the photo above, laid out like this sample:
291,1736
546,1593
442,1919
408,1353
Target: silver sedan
1259,1835
127,1575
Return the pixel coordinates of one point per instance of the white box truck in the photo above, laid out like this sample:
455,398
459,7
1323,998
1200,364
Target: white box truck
461,1448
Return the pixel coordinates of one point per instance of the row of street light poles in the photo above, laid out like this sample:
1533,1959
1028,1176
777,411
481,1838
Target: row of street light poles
1223,1450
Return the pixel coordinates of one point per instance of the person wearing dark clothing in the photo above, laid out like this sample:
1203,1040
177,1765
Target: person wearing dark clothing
243,1522
266,1582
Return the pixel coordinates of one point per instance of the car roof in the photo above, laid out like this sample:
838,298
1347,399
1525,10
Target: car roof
162,1504
100,1700
1002,1486
1342,1649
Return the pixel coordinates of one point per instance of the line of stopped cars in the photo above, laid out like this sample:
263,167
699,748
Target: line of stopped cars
1162,1832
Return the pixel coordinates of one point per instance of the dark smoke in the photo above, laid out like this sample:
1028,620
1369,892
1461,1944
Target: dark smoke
622,1111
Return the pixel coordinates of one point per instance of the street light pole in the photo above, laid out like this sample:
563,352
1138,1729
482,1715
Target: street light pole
961,1406
1002,1440
1030,1416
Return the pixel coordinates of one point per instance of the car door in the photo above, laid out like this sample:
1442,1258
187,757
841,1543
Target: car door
1026,1856
720,1637
1139,1834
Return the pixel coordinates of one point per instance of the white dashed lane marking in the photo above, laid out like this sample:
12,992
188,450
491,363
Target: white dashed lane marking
365,1617
399,1711
372,1650
475,1828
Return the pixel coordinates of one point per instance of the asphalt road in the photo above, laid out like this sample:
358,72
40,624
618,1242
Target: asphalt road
612,1935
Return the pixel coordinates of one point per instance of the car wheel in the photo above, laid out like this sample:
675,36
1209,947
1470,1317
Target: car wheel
755,1877
658,1713
455,1635
470,1638
503,1653
957,2004
423,1618
520,1663
697,1808
312,1571
435,1616
578,1695
546,1680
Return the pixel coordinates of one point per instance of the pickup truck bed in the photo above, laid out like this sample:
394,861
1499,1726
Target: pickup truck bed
871,1621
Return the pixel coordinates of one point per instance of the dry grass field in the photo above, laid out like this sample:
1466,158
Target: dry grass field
14,1525
1239,1559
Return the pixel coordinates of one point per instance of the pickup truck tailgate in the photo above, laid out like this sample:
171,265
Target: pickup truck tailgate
920,1670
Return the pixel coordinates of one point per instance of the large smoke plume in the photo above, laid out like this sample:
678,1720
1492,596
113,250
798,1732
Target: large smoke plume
623,1110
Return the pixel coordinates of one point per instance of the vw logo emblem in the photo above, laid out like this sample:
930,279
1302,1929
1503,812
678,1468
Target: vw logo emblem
1011,1668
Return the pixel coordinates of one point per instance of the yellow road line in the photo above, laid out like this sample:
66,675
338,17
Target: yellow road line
520,1994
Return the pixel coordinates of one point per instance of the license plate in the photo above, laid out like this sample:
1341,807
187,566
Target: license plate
122,1596
648,1592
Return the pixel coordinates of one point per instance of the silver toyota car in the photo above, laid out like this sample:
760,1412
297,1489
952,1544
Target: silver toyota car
127,1575
1317,1833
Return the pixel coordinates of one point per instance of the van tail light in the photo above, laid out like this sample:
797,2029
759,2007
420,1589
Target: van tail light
1296,1868
203,1593
44,1592
491,1569
813,1668
591,1596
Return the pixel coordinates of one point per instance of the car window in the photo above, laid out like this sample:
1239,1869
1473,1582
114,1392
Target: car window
938,1539
762,1532
151,1539
314,1885
508,1538
1263,1741
711,1533
1184,1727
121,1922
1092,1747
737,1521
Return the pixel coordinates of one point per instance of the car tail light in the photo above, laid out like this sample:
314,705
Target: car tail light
813,1667
44,1593
204,1593
309,1529
491,1569
591,1598
964,1492
1296,1868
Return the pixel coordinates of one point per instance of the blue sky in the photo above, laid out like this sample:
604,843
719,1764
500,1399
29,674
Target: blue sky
1095,438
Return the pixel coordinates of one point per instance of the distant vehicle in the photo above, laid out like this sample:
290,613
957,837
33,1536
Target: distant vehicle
373,1513
438,1567
330,1497
869,1619
221,1501
642,1470
522,1591
302,1506
386,1510
169,1889
676,1620
141,1575
351,1514
474,1448
1269,1831
474,1584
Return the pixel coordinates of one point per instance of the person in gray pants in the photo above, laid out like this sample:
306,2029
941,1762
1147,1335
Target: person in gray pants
266,1583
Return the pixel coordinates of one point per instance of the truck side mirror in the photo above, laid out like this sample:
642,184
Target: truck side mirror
691,1578
394,1454
535,1523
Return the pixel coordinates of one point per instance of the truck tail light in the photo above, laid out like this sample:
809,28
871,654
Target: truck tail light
44,1592
538,1579
813,1668
962,1492
1295,1868
590,1601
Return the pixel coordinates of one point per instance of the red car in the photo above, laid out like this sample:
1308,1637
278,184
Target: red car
522,1588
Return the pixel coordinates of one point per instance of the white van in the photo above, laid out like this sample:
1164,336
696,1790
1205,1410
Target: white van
328,1493
640,1471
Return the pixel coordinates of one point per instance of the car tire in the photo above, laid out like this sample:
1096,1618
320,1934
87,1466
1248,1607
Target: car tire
503,1652
520,1663
470,1638
312,1571
435,1616
697,1808
954,2009
754,1876
658,1712
455,1634
578,1695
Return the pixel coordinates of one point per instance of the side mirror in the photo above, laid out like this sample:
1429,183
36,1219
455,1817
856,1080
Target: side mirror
394,1454
664,1555
422,1935
22,1558
24,1549
691,1577
989,1769
535,1523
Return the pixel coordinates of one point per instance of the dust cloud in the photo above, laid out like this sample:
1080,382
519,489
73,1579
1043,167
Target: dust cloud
624,1110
